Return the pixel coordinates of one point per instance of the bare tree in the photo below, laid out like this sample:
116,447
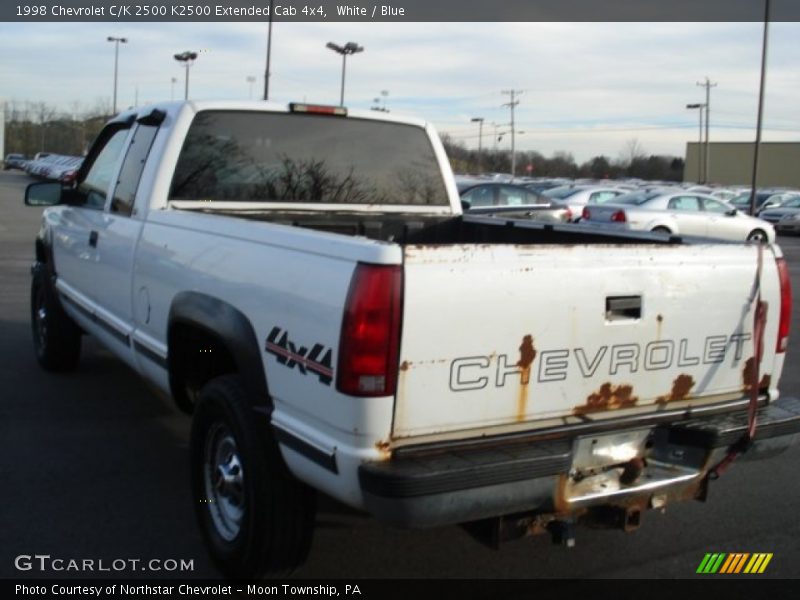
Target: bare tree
631,152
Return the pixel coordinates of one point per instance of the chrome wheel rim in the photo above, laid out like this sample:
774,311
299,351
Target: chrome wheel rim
224,482
757,236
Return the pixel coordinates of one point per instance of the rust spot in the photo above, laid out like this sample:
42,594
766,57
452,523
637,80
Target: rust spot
748,373
384,448
527,354
608,397
680,389
405,365
765,381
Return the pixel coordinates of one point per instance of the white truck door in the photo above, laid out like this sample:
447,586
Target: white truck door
117,241
82,222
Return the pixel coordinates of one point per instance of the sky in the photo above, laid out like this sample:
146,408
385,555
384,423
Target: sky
586,88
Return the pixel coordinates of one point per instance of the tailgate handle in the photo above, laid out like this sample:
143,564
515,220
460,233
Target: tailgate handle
619,308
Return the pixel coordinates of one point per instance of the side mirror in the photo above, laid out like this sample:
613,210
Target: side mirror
465,206
731,213
44,193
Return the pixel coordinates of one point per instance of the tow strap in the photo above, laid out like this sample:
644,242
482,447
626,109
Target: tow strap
759,324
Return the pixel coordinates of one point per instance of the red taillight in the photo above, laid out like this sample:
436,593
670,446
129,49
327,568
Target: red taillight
786,306
568,215
370,339
585,213
619,217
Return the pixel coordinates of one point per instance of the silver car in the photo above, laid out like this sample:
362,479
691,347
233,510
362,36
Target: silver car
683,213
785,217
575,197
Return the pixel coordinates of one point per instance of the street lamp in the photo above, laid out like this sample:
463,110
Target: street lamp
251,80
348,48
117,41
701,106
479,121
187,58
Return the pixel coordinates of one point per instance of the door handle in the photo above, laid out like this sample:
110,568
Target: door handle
93,239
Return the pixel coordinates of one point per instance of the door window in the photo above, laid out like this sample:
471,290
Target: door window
714,206
684,203
92,191
132,167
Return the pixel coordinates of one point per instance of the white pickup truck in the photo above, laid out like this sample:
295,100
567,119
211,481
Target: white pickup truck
302,280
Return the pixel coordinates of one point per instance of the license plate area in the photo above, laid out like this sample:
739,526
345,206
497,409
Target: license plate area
608,467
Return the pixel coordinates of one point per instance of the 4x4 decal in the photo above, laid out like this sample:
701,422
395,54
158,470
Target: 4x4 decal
288,354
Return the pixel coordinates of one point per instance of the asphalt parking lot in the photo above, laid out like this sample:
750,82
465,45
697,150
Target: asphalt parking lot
95,466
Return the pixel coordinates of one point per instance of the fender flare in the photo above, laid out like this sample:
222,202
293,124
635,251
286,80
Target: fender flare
233,329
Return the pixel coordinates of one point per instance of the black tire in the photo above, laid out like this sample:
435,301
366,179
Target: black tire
56,337
237,470
660,229
758,235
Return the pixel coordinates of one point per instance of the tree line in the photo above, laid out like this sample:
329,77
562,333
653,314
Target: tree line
33,127
632,161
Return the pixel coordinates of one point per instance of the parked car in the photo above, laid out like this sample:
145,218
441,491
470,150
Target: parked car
764,199
510,200
14,161
475,194
575,197
786,217
682,213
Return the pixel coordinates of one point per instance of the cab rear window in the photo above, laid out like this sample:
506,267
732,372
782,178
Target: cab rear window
300,158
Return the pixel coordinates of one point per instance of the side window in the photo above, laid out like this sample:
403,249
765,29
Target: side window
480,196
132,167
684,203
601,197
92,191
714,206
510,196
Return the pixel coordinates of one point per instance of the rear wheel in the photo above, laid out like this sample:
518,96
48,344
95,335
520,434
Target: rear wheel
56,337
757,235
255,517
661,230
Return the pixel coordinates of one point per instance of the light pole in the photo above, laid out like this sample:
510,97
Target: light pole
117,41
251,80
348,48
187,58
701,106
269,53
479,121
761,87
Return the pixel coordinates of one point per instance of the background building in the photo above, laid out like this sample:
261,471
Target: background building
731,163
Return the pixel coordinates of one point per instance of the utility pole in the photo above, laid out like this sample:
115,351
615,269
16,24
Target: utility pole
479,121
700,106
511,104
708,85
